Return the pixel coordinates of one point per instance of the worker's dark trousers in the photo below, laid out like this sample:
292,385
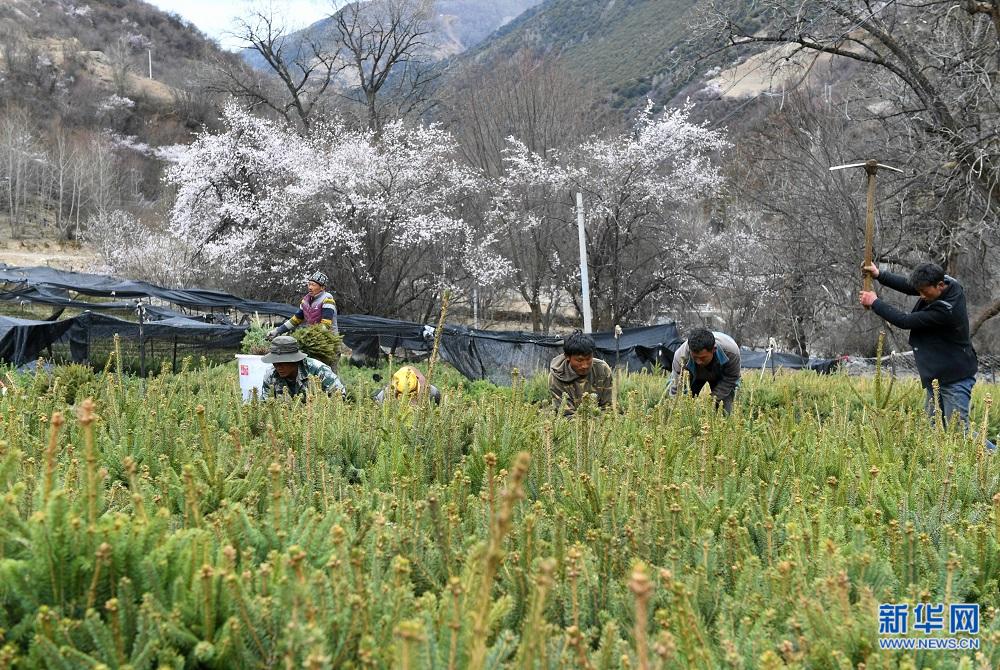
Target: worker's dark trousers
954,399
727,403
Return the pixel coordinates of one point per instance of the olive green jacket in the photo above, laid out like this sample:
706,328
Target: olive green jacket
564,382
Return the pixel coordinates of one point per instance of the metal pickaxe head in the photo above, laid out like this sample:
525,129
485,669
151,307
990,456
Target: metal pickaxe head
870,167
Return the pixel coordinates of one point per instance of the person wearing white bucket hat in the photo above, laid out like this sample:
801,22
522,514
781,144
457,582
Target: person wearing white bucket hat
291,370
316,306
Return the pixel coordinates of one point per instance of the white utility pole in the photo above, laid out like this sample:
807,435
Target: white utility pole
150,53
584,274
475,308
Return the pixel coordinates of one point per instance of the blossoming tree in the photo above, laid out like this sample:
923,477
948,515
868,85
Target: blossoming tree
380,216
637,187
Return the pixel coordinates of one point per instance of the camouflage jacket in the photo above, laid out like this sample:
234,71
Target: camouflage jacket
275,385
563,381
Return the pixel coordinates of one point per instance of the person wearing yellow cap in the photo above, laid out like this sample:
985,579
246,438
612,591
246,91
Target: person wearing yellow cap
408,382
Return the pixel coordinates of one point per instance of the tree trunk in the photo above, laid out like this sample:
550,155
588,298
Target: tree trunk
796,338
551,312
536,315
988,313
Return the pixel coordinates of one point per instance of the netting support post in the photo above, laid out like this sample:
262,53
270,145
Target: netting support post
618,348
175,354
141,311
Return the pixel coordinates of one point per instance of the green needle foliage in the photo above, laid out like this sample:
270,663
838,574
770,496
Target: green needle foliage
319,343
255,341
166,524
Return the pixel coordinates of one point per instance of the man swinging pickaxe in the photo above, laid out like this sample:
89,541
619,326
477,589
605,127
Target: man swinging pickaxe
871,167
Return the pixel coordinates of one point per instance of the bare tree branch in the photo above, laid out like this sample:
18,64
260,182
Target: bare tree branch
385,44
303,67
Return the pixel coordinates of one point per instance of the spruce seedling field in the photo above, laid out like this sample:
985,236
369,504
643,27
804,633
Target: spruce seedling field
162,523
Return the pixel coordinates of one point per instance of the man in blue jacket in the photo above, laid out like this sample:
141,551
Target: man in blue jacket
939,334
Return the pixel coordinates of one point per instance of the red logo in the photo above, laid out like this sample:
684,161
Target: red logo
244,370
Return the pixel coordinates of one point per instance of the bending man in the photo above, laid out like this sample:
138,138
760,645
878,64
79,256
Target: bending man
576,372
709,358
292,369
408,382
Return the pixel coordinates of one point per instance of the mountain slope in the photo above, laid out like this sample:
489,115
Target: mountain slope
67,58
86,129
465,23
624,47
458,25
97,25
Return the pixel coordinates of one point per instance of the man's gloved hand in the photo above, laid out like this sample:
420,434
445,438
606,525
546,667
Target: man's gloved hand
271,334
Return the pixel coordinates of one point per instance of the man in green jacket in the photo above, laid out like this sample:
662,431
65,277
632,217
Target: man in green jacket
292,369
576,372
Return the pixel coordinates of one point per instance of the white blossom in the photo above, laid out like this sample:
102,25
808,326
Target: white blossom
130,142
266,201
636,187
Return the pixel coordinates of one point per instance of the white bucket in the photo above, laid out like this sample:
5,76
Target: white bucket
252,372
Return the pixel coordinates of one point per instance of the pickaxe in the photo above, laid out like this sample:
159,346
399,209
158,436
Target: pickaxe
871,167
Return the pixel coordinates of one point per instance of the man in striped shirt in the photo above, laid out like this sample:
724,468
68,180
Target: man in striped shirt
317,306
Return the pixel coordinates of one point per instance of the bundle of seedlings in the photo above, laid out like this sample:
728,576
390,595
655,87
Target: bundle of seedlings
255,341
319,343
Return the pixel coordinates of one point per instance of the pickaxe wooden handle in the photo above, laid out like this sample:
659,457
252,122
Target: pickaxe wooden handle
871,167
